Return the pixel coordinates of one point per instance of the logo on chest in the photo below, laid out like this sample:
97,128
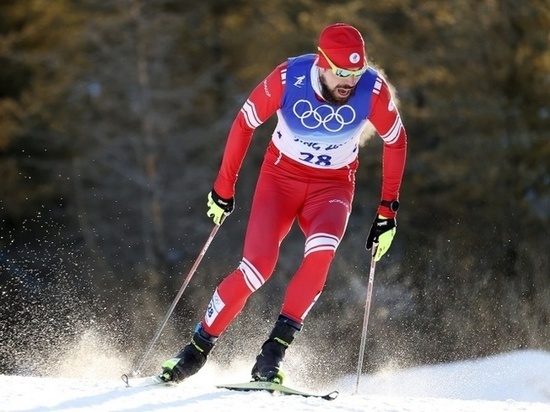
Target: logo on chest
325,116
299,81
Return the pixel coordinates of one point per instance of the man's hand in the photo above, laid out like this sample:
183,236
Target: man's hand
219,208
382,232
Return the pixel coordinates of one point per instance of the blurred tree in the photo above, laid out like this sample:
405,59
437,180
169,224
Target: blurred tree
37,39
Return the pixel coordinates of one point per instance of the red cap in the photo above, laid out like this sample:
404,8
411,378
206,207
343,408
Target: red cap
344,46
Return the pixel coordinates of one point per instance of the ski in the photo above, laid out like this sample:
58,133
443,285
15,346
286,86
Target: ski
140,382
275,388
154,380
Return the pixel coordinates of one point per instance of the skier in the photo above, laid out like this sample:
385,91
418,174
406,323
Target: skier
323,102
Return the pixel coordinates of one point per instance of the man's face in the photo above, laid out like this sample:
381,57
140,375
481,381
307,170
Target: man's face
336,90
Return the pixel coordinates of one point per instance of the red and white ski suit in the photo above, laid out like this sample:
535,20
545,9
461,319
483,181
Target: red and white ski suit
308,175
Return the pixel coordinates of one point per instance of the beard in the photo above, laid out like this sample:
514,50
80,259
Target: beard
330,95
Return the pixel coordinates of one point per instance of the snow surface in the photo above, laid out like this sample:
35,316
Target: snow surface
515,381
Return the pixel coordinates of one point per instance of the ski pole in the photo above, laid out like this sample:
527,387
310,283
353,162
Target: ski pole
366,317
136,370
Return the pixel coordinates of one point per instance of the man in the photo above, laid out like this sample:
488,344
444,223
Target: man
323,102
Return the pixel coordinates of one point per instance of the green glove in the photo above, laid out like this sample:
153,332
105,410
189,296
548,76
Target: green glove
219,208
382,232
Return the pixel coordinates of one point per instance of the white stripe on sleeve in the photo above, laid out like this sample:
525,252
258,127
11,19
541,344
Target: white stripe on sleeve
393,133
250,115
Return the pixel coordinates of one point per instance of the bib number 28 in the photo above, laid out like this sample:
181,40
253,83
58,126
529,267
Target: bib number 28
319,160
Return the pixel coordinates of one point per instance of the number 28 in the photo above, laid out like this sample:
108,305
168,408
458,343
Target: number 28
320,160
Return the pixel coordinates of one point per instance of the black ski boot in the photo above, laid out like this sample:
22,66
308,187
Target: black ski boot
191,358
269,361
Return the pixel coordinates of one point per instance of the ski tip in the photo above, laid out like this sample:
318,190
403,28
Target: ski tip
331,396
144,381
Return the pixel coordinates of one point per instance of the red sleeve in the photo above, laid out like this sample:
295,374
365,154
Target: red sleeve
385,118
264,100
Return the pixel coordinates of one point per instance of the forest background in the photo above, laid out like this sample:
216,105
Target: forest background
113,120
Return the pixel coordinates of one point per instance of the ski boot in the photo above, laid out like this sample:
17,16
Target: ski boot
191,358
269,360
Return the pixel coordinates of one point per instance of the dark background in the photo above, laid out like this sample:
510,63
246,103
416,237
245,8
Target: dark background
113,120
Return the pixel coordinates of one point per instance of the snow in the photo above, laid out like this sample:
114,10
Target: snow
510,382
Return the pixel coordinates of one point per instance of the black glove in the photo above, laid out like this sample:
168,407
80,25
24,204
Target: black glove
381,232
219,208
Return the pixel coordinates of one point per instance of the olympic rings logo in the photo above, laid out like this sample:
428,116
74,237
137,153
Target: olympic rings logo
324,115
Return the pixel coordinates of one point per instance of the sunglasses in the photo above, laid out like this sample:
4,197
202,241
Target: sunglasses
344,73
